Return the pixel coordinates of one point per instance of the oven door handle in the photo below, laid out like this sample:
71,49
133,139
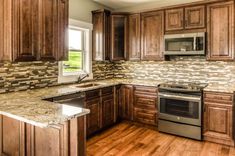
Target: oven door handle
180,97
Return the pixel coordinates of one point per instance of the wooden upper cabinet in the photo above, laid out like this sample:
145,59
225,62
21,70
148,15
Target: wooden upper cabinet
134,37
174,19
25,30
101,35
152,34
53,27
34,30
195,17
220,30
119,37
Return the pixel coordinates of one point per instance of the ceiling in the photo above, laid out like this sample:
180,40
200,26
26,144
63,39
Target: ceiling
120,4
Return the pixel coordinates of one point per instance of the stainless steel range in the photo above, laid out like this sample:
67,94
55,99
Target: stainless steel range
180,109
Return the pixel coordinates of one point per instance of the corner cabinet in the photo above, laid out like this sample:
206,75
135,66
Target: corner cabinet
101,35
34,30
152,34
220,29
218,118
118,37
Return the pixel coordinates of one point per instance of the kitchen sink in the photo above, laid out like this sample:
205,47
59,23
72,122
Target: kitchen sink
87,85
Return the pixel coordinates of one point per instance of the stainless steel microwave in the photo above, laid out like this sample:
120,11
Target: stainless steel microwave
185,44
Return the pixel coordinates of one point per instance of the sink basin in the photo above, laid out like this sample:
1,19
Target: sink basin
87,85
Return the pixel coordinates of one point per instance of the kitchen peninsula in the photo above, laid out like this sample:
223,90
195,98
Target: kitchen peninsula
32,126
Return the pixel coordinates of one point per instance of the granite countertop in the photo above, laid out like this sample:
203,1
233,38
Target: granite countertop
28,106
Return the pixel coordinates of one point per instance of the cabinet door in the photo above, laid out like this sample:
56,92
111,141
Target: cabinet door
63,24
134,37
119,37
220,31
218,123
107,110
101,35
195,17
12,139
126,103
152,34
25,30
93,119
53,27
174,19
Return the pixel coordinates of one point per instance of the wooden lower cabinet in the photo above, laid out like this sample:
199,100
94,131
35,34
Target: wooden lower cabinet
145,105
93,119
218,118
20,139
126,102
107,110
101,103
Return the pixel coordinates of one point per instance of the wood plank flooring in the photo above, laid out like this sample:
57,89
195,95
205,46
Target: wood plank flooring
128,139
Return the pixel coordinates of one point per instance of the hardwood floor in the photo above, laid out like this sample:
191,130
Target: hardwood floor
128,139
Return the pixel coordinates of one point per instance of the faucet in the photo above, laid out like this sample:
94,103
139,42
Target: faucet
82,77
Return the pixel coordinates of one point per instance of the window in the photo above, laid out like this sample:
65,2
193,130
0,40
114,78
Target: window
76,54
79,54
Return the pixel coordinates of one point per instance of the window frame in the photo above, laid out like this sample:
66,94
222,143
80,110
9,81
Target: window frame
87,53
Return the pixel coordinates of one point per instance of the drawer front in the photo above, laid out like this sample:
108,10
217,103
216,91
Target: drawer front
145,102
220,98
144,116
92,94
146,90
107,91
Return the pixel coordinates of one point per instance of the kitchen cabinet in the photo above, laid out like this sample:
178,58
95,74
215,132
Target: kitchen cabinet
34,30
145,105
220,31
174,19
101,35
126,102
218,118
101,103
107,107
18,138
134,37
92,102
195,17
152,34
192,17
118,37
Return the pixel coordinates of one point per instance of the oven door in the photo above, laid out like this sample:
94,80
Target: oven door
180,108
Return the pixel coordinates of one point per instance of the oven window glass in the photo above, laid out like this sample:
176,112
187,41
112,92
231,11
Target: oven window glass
179,108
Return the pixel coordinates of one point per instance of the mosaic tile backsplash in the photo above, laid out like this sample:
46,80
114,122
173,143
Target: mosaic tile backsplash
27,75
30,75
193,69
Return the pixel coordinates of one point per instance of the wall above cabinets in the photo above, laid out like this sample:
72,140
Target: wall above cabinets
140,36
33,30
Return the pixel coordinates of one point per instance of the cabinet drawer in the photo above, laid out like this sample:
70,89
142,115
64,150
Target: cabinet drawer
106,91
146,90
145,116
221,98
92,94
145,102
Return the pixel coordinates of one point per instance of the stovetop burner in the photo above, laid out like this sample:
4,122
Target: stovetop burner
183,86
